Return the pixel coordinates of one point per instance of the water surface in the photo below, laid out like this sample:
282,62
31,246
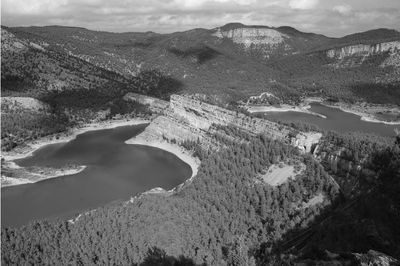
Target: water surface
115,171
336,120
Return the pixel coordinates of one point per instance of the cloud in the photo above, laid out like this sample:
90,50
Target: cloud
303,4
327,17
343,9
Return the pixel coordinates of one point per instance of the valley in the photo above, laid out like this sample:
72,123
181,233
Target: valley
237,145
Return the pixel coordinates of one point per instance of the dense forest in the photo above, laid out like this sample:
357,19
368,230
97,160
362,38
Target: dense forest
222,217
369,220
71,107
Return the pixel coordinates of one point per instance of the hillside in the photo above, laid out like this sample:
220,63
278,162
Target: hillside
236,61
265,193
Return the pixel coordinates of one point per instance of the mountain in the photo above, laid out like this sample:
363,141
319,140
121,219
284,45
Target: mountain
236,61
340,205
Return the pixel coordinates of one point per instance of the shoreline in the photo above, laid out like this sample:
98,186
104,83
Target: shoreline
267,109
175,149
363,116
29,148
305,106
7,181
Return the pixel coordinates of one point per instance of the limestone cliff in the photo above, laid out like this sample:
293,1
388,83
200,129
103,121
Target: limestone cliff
261,41
252,36
156,105
190,119
364,49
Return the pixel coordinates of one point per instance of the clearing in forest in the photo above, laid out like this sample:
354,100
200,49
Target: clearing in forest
278,174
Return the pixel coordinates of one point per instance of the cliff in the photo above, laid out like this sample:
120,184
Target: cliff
252,36
364,50
156,105
190,119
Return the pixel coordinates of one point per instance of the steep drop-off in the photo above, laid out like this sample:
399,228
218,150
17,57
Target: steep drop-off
188,118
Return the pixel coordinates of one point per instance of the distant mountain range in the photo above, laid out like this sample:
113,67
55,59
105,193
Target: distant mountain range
231,62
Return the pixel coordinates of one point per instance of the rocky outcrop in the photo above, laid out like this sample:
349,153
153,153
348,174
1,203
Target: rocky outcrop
306,141
364,50
375,258
262,42
10,43
252,36
370,258
353,176
154,104
22,103
190,119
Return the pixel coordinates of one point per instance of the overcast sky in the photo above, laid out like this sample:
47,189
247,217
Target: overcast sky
329,17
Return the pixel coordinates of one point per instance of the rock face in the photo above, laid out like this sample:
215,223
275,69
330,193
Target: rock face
190,119
305,141
25,103
375,258
252,36
364,50
202,115
261,41
155,104
10,43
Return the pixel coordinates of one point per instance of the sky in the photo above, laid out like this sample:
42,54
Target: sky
333,18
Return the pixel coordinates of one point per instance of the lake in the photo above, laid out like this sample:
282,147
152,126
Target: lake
336,120
115,171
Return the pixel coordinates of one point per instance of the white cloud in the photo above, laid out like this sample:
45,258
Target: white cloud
343,9
303,4
320,16
199,3
32,7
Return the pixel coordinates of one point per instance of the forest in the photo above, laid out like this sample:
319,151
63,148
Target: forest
223,217
368,220
71,107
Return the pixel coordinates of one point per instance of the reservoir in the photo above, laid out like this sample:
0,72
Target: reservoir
336,120
115,171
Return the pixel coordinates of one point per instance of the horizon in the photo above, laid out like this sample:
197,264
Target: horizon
145,31
336,19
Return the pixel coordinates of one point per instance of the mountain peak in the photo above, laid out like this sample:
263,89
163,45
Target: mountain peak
237,25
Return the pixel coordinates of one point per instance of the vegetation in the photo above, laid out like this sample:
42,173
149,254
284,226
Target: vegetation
155,83
370,220
19,126
225,216
222,211
196,62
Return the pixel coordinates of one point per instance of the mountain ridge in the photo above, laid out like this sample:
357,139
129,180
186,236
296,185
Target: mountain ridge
248,61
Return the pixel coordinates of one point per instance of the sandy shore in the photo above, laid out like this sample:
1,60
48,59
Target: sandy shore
283,108
178,151
28,177
29,148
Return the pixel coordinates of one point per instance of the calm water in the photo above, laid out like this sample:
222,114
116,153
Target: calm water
115,171
336,120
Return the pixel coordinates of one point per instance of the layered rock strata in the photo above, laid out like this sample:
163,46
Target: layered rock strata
252,36
364,49
154,104
190,119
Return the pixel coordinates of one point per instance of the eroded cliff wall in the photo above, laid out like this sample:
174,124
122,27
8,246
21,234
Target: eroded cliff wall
190,119
364,49
252,36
